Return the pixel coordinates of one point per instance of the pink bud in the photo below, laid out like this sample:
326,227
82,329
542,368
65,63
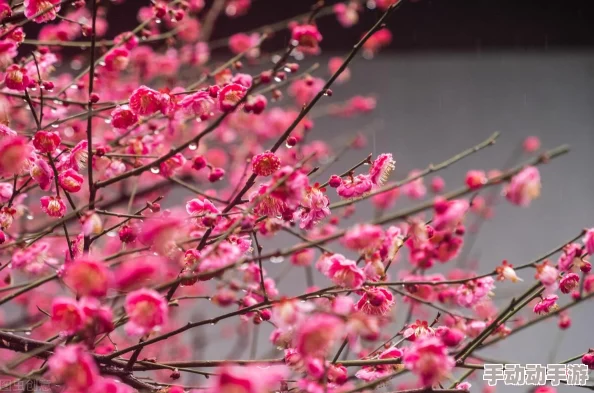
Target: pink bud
216,174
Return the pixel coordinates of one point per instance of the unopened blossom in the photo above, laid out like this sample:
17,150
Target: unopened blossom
569,282
546,305
74,366
345,272
16,78
88,277
307,37
147,310
381,168
507,272
531,144
371,373
14,154
588,359
145,101
67,315
70,180
314,207
376,301
265,164
123,118
46,141
53,206
230,96
317,335
428,358
437,184
42,173
450,336
524,187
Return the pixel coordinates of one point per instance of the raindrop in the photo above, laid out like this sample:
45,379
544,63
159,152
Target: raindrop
214,323
29,217
33,89
112,234
275,59
277,79
155,170
278,259
74,87
57,102
158,21
192,146
287,70
55,126
288,145
107,121
371,4
294,42
27,333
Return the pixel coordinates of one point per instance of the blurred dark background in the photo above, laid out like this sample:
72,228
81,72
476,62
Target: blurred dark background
429,25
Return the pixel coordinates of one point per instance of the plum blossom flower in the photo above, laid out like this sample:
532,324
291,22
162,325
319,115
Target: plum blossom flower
428,358
381,168
88,277
46,141
354,187
524,187
308,38
317,334
345,272
70,180
371,373
145,101
418,330
43,10
79,155
42,173
67,315
314,207
546,305
34,259
147,310
14,155
363,237
199,208
248,43
242,379
569,282
16,78
199,104
73,366
265,164
547,274
376,301
123,118
347,14
449,214
53,206
230,96
589,241
472,292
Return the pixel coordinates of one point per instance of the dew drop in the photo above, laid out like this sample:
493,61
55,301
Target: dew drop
155,170
107,121
214,323
33,89
371,4
277,259
192,146
277,79
57,102
288,145
112,234
27,333
29,217
158,21
102,64
275,59
287,70
55,126
74,87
